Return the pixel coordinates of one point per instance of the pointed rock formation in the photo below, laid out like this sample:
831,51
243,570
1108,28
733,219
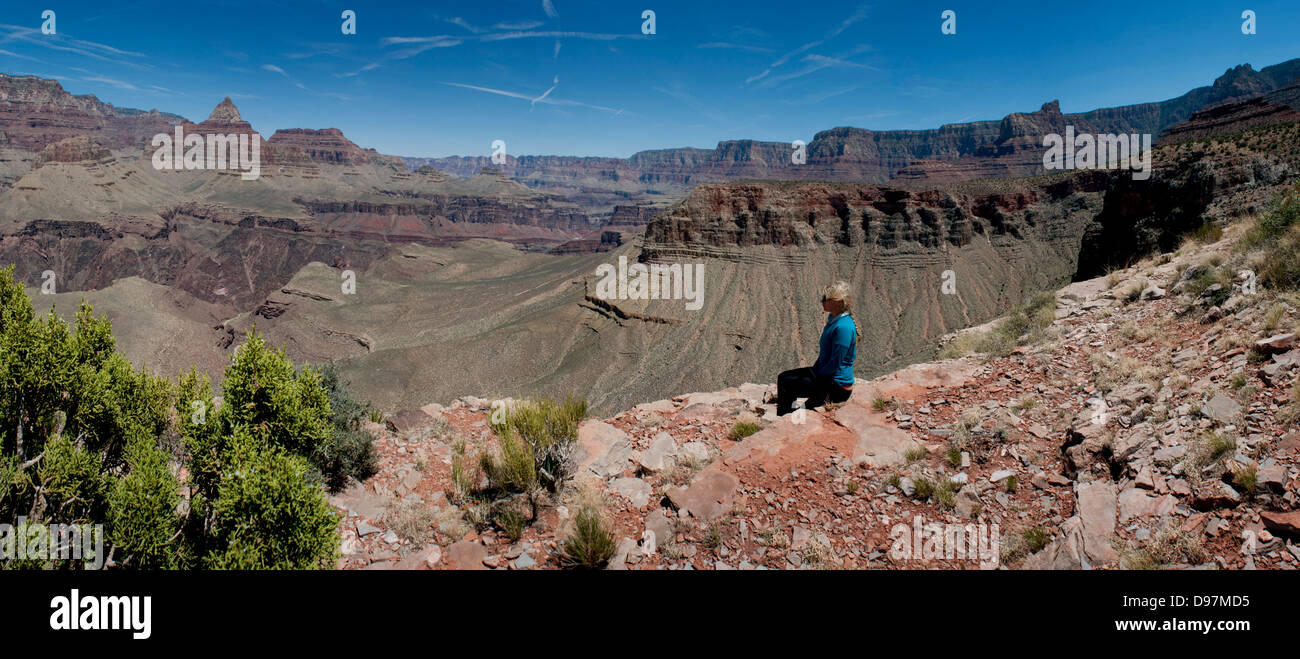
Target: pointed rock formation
225,112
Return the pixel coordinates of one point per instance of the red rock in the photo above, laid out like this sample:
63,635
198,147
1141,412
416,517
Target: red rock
709,496
466,555
421,560
878,445
1282,522
35,113
326,146
73,149
1275,344
406,422
1216,494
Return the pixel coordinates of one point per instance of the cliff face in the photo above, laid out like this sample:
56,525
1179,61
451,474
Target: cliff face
770,246
773,245
35,113
72,149
96,214
182,255
327,146
851,215
1230,117
1010,147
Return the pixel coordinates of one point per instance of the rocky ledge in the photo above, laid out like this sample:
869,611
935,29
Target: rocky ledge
1146,429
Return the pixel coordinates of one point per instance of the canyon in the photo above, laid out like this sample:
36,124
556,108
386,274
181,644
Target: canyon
1010,147
486,280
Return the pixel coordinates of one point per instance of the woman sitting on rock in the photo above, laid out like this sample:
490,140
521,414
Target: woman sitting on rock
830,379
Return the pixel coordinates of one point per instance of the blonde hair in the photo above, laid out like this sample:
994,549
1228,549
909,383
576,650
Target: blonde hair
841,292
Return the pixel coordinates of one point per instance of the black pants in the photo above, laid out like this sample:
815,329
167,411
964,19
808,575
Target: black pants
803,383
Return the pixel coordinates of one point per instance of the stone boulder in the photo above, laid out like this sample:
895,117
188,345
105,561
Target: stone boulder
1275,344
602,448
406,422
1096,511
466,555
878,444
709,496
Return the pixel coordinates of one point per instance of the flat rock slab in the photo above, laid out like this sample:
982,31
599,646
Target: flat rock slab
1288,359
878,444
1216,494
908,382
1222,409
1273,477
1279,522
757,392
633,489
713,411
406,422
785,443
658,456
658,407
361,501
1065,553
709,496
1134,502
1080,291
1276,344
1096,511
659,524
596,441
420,560
466,555
712,397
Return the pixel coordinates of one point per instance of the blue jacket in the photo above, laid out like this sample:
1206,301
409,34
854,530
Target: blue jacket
839,347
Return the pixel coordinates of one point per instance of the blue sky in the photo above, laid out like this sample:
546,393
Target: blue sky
580,78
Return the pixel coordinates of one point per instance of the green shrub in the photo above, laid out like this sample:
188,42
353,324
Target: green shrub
945,494
1278,233
954,456
1036,538
1247,478
1281,268
70,407
744,429
1284,215
941,492
1023,325
513,523
1206,234
543,431
279,407
259,447
590,544
924,488
1209,277
85,438
462,478
268,514
515,469
142,509
349,452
